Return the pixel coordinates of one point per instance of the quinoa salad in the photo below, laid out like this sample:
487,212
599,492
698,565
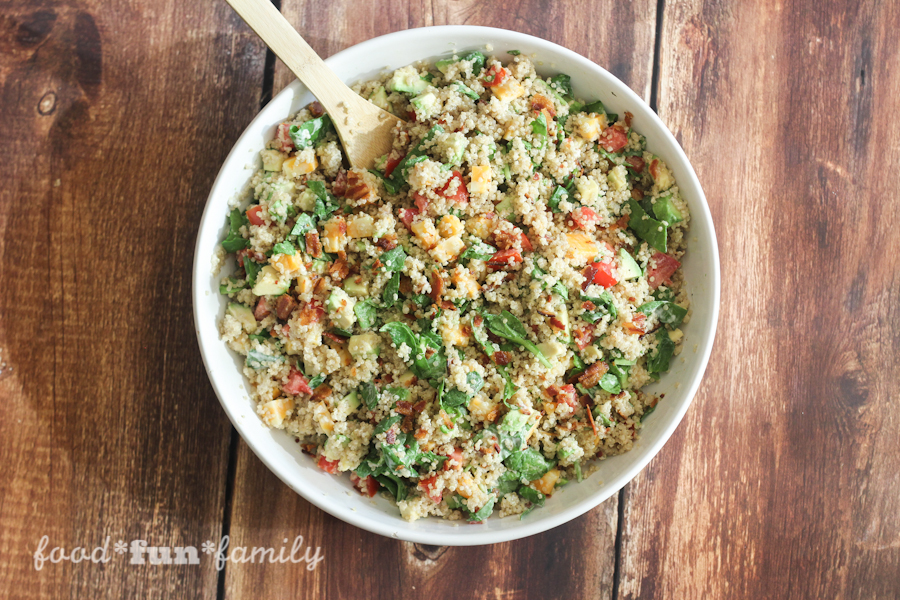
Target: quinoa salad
467,327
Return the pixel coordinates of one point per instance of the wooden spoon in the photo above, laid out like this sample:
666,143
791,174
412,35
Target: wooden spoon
365,130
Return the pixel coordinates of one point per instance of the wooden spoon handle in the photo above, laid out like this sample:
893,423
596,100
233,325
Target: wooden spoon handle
270,25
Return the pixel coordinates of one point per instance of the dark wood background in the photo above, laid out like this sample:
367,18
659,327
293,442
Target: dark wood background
782,481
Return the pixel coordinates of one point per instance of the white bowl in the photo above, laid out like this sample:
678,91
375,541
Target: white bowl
335,494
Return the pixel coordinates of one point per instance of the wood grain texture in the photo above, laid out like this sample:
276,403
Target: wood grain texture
782,480
574,561
114,117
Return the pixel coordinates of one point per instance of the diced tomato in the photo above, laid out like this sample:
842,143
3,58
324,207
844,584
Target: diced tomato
411,115
420,201
599,273
635,162
457,457
283,141
526,244
494,76
253,215
660,270
366,485
296,384
407,215
584,217
584,336
329,466
462,192
613,139
503,259
392,163
428,485
262,310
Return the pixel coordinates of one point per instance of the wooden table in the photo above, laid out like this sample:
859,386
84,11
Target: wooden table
781,481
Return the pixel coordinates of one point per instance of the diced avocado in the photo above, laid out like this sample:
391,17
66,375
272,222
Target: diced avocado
665,210
424,105
505,208
380,162
452,146
379,98
352,399
661,175
319,265
617,178
562,313
364,345
307,200
552,349
443,65
270,282
406,379
272,159
357,287
628,268
340,308
243,314
407,80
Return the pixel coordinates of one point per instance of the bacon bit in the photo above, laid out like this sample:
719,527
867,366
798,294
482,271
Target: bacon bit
593,374
437,286
591,419
312,312
285,306
321,287
635,162
584,336
313,244
661,268
564,394
316,109
628,118
502,357
387,242
456,457
588,305
335,337
554,322
447,305
357,189
446,418
283,141
406,285
636,194
339,187
391,436
255,256
406,425
403,407
262,310
420,434
339,269
393,160
637,326
321,392
504,240
622,223
540,102
503,259
478,320
308,449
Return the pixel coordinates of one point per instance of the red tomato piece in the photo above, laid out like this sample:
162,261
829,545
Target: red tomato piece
613,139
296,384
254,217
494,76
462,192
329,466
584,217
283,141
599,273
457,457
367,485
503,259
660,270
564,394
391,164
635,162
262,310
526,244
428,485
420,201
407,215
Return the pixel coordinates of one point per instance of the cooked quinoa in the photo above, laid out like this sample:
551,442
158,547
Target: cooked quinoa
468,325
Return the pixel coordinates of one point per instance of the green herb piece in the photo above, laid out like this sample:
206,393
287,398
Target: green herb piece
304,223
610,383
284,247
307,134
646,228
578,475
664,210
258,360
665,349
559,194
369,394
366,313
485,511
539,128
252,269
514,52
389,184
604,304
647,412
387,423
393,260
563,84
477,251
667,312
533,496
232,286
399,392
508,482
466,90
594,107
391,290
529,463
477,59
507,326
235,241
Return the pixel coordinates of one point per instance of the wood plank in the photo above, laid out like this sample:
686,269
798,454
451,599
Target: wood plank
782,483
115,119
574,561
